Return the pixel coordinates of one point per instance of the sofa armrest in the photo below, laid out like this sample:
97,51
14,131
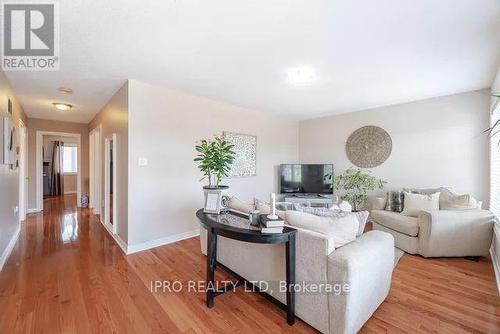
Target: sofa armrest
324,244
366,265
455,233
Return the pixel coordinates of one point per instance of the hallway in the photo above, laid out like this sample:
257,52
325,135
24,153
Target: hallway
67,274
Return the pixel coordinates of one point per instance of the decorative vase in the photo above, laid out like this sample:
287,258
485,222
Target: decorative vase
345,206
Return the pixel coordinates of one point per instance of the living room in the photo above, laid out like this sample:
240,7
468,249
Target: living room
387,112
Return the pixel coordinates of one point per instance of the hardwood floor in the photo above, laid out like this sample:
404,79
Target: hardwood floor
66,274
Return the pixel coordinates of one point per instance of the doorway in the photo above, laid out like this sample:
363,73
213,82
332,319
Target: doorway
74,150
110,194
23,162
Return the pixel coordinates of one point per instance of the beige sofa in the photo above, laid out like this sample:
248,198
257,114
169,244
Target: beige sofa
448,233
366,264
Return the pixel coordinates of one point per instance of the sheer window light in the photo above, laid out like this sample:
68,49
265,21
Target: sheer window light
495,167
70,159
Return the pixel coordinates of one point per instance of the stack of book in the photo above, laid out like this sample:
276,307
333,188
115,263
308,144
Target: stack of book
271,225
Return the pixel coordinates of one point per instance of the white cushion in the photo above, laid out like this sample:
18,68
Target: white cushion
341,229
236,204
445,193
377,203
415,203
265,208
461,202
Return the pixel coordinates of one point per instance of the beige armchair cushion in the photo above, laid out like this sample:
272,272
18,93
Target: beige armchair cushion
396,221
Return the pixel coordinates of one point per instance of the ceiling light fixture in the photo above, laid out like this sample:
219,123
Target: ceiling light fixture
62,106
66,90
301,75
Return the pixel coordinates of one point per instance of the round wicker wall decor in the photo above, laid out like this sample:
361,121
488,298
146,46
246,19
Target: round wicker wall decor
369,146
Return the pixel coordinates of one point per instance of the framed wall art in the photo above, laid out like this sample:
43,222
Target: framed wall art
245,147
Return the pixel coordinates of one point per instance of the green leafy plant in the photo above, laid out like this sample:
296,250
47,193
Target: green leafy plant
215,158
495,128
355,184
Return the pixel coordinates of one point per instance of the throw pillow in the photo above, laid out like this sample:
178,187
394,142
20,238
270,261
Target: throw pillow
415,203
265,208
394,201
377,203
445,196
236,204
341,230
460,202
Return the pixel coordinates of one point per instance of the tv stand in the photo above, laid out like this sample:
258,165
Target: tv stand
312,199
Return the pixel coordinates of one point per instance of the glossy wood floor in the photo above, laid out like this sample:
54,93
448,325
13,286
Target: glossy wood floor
66,274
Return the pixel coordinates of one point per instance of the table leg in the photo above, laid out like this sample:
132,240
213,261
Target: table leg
290,279
211,264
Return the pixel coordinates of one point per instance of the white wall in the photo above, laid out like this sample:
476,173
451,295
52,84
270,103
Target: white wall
164,126
9,178
436,142
113,118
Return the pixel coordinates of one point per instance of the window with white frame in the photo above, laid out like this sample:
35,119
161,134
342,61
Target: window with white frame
70,159
495,164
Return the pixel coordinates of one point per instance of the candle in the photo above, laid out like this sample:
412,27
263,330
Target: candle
272,214
273,204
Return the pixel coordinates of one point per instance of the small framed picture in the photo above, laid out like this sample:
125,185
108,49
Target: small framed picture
212,201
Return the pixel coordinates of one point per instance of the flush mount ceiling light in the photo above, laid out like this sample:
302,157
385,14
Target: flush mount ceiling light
66,90
301,75
62,106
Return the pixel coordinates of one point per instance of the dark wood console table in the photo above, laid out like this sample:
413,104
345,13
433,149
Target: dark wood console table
237,227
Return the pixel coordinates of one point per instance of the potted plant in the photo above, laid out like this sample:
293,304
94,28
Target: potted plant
215,158
355,184
495,128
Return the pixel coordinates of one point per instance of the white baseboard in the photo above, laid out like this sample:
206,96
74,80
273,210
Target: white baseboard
495,258
35,210
162,241
71,192
10,247
496,267
119,241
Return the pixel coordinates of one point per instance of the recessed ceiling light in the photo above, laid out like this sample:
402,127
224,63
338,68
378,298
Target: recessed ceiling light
301,75
62,106
66,90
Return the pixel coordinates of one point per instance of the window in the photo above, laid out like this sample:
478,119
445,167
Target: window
70,159
495,165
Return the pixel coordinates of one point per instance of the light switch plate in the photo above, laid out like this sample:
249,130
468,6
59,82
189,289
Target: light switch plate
143,162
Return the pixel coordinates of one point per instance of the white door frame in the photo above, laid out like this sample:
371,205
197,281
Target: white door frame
23,164
91,170
39,166
111,227
95,170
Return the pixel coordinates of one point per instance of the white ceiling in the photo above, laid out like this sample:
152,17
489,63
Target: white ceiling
365,53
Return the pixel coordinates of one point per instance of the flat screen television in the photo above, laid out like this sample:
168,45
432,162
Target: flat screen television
306,179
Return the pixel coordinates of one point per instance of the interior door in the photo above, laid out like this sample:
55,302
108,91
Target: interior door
110,171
